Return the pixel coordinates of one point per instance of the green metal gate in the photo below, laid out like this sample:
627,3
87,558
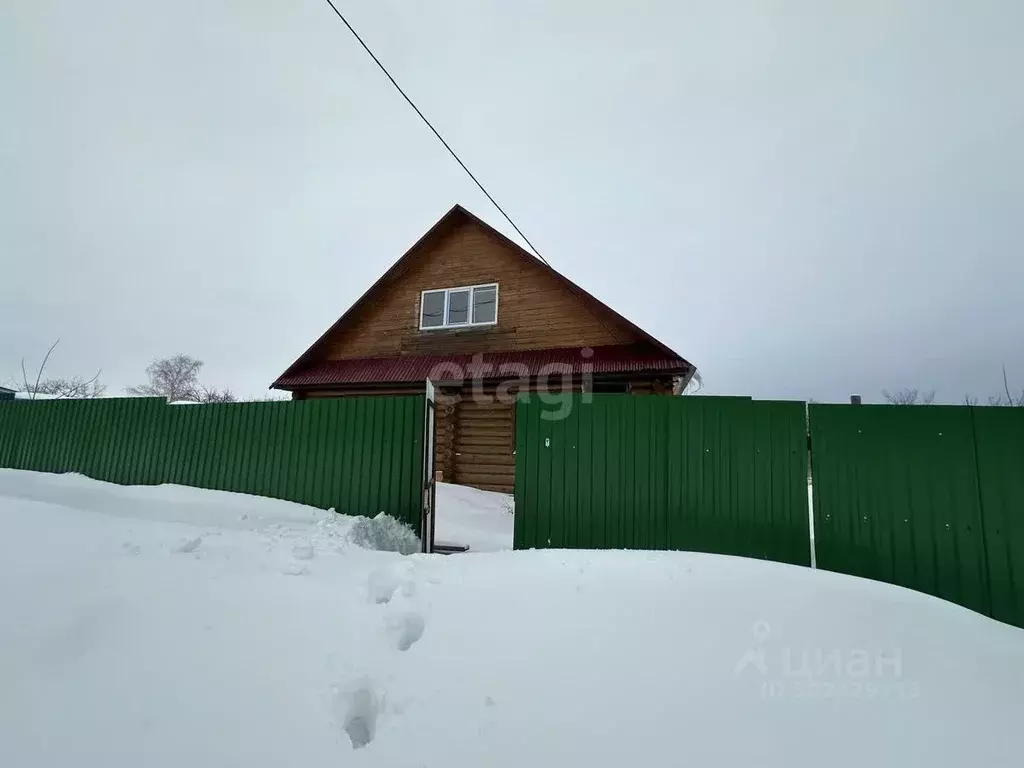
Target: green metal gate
708,474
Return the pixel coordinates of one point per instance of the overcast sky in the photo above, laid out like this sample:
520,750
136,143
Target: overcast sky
806,199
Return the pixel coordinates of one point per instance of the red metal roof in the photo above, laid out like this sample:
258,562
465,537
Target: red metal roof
488,365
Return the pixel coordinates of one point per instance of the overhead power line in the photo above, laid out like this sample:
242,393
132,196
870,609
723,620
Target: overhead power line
432,128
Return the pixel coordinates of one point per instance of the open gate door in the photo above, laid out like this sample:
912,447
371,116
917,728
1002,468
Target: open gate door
428,517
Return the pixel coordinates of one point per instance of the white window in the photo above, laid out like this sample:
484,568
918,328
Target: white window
459,307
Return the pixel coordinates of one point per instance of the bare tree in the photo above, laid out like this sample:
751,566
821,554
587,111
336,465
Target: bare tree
970,400
39,374
213,395
1011,399
176,378
280,397
76,387
909,397
1006,399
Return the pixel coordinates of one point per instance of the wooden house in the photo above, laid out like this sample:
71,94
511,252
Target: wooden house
483,319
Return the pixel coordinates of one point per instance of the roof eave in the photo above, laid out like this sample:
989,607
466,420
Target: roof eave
685,370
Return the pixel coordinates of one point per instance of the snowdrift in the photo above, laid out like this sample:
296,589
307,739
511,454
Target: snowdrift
171,627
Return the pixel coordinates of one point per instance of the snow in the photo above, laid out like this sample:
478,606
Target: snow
481,520
200,508
171,626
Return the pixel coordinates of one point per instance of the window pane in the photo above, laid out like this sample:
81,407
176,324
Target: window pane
458,307
432,310
485,304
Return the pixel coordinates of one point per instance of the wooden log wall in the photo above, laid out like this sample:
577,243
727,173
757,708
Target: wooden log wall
447,401
485,441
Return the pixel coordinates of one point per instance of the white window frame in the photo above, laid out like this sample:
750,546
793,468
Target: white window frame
469,315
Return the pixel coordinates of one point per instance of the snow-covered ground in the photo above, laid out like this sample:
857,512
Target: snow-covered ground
177,627
481,520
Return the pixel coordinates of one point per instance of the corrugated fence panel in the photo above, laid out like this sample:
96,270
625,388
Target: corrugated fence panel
999,435
103,438
723,475
779,502
10,413
896,498
11,427
358,455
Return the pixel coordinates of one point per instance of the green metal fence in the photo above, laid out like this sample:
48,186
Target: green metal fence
896,498
999,437
724,475
927,497
358,455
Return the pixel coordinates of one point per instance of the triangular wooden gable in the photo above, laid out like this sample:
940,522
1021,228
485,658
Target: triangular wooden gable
539,308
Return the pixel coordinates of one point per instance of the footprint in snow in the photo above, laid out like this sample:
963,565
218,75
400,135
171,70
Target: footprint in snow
382,585
361,708
190,546
408,629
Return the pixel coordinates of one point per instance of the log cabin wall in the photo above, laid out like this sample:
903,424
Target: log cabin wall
485,444
448,402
